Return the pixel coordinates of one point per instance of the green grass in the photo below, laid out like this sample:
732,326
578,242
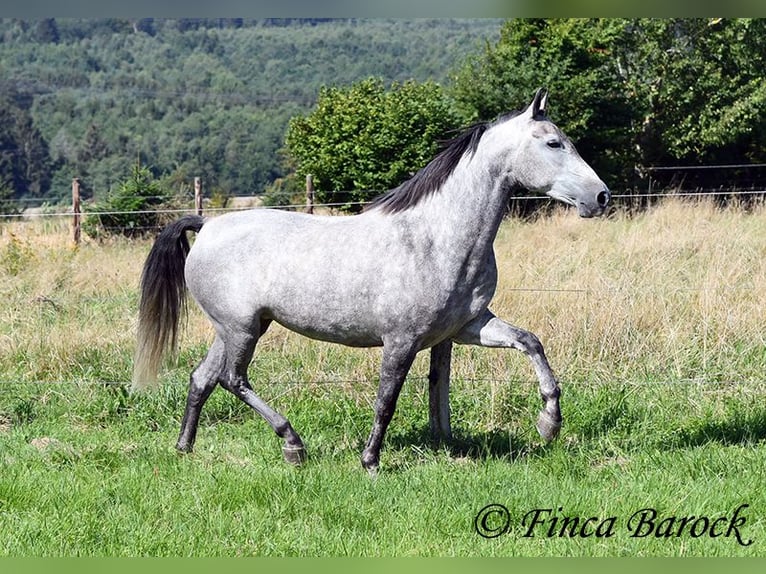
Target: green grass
90,470
663,400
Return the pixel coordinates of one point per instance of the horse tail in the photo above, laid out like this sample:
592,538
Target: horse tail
163,298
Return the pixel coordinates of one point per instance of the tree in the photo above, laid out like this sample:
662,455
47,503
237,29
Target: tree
699,86
632,93
46,31
7,203
365,139
24,158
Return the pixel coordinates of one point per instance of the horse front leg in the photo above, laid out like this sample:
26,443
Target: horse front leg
397,360
489,331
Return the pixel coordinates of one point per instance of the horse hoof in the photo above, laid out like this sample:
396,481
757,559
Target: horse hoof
547,426
371,464
295,455
372,469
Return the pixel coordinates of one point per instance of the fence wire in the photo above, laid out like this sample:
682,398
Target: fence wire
332,205
751,385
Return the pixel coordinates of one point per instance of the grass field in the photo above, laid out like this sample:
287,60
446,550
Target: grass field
653,323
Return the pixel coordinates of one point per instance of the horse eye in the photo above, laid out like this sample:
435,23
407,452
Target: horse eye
555,144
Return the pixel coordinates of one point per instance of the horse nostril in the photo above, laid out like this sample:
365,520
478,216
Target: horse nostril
603,198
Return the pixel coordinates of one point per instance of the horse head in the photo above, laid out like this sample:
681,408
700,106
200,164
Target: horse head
545,161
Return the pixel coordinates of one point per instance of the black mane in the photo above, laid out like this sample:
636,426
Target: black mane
432,176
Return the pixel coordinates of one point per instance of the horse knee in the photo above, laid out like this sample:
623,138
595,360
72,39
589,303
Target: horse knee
529,343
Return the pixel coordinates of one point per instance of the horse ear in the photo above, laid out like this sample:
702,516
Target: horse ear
539,102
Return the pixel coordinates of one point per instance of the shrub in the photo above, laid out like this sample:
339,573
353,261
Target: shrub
132,210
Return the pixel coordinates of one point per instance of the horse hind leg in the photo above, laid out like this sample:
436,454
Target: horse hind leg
239,352
201,383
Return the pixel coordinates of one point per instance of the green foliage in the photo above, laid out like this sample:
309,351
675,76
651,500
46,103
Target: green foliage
218,199
632,92
7,203
15,255
284,191
366,139
191,97
24,160
699,86
130,209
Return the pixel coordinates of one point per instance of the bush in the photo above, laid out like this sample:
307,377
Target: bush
132,210
285,191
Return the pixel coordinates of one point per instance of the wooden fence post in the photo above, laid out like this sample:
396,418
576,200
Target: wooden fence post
309,194
198,195
76,210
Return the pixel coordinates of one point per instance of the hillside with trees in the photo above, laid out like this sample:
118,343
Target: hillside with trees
208,98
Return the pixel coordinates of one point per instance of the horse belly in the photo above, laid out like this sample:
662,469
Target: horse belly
319,310
333,332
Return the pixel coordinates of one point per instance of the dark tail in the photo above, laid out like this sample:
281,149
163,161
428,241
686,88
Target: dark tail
163,298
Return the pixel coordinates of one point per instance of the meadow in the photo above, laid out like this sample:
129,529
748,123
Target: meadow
653,323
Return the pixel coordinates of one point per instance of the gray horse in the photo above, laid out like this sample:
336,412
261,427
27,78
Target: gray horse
415,270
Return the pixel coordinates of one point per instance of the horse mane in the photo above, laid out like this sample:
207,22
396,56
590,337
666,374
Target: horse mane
431,178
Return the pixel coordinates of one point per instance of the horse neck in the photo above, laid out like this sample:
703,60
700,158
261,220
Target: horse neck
467,211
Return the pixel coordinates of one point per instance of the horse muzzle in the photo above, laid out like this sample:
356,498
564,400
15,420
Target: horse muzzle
596,207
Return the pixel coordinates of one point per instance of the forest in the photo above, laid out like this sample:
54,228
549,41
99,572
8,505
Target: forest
185,98
251,106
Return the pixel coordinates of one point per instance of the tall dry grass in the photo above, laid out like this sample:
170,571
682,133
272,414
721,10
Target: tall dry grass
67,313
674,293
677,292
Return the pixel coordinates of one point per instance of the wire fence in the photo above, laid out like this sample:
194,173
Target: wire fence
61,211
743,182
294,384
